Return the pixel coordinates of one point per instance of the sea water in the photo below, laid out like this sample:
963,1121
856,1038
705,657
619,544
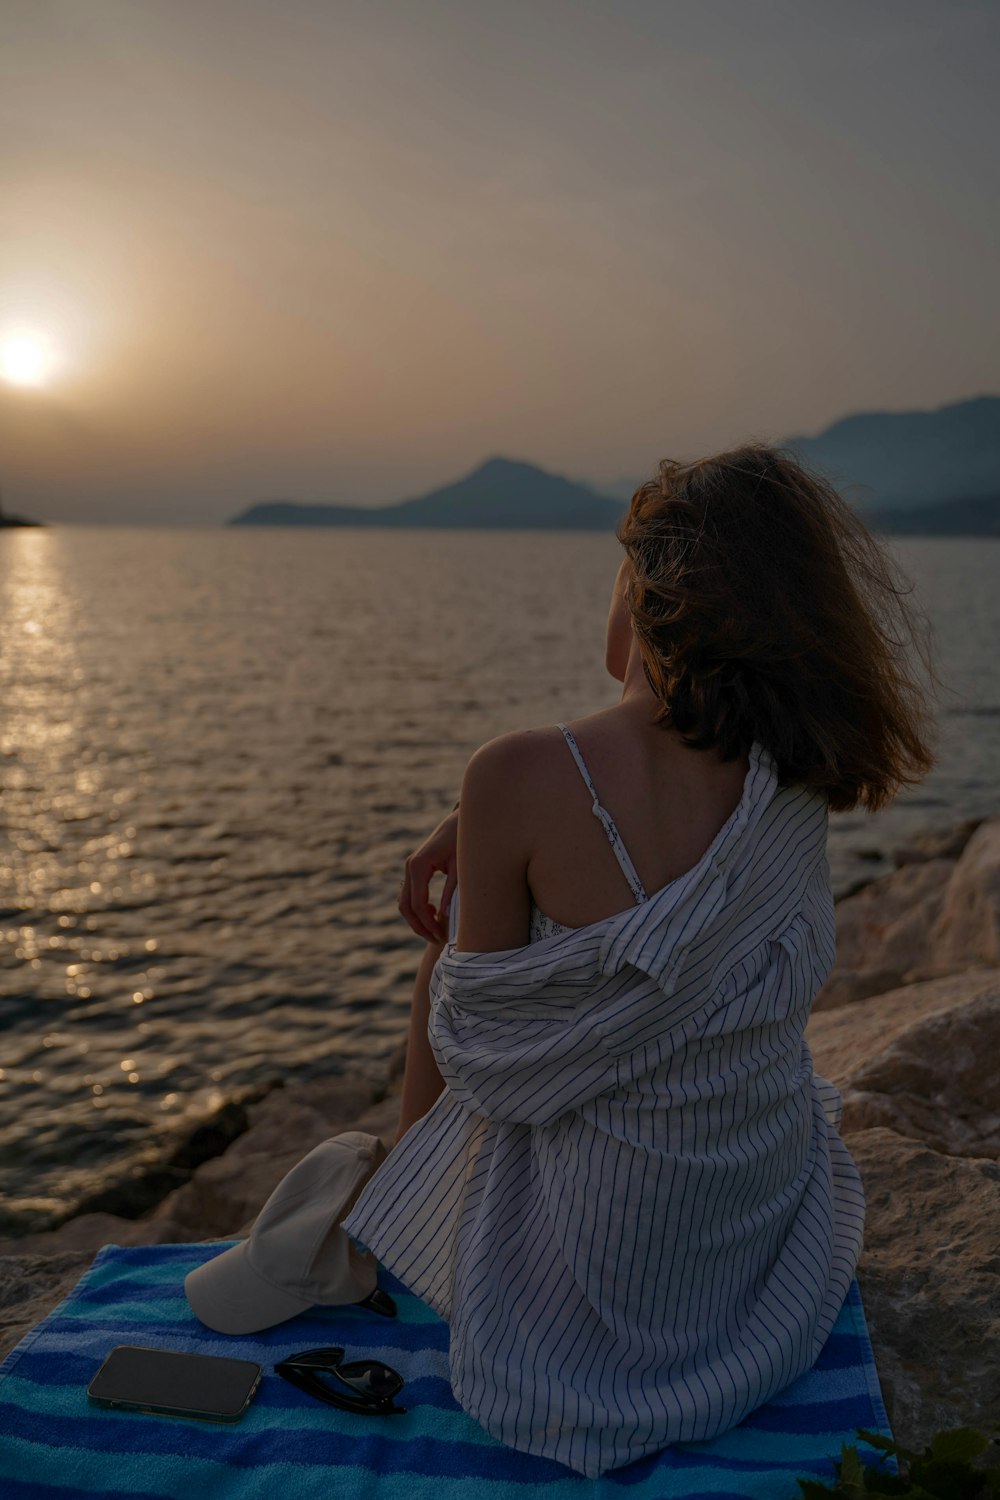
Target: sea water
219,746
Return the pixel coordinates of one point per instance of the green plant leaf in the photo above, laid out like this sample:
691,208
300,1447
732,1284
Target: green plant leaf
851,1473
877,1440
958,1445
889,1445
942,1471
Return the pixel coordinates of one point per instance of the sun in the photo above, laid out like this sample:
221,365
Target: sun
26,358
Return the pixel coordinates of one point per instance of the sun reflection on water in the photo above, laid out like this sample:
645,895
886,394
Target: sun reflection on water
63,860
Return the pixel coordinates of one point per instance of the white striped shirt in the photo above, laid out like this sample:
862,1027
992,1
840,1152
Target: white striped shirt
631,1201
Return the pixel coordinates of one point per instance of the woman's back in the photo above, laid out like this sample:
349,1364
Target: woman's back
630,1201
619,810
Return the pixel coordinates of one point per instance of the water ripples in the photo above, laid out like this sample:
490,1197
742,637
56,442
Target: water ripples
217,750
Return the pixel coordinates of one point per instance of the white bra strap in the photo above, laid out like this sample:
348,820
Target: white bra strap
614,837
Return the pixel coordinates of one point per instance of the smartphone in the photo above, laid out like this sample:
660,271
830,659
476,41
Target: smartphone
168,1383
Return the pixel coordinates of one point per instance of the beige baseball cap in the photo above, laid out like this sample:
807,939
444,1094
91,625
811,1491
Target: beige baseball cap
297,1254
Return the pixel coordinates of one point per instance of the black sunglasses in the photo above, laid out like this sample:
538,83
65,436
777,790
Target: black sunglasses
380,1302
372,1383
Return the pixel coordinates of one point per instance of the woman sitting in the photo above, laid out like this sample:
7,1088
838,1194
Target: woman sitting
617,1175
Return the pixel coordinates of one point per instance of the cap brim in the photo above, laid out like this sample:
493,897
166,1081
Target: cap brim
226,1294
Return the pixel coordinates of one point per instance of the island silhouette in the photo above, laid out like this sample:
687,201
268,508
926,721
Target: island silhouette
502,492
933,473
6,520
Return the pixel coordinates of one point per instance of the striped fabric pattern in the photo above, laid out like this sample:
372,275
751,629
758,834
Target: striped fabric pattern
631,1202
55,1446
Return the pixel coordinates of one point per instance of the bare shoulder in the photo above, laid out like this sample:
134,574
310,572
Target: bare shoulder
519,755
520,762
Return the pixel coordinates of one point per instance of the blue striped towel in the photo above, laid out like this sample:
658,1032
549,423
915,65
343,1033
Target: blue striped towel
55,1443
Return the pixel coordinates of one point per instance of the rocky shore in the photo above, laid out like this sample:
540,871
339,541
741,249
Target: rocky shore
908,1027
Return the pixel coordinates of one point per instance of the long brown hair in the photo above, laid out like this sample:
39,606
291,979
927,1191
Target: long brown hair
765,609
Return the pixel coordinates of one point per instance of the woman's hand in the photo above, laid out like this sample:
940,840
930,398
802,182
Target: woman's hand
437,852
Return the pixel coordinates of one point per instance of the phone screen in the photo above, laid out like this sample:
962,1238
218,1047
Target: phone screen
165,1380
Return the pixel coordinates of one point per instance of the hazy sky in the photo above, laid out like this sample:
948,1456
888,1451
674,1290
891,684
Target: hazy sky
343,251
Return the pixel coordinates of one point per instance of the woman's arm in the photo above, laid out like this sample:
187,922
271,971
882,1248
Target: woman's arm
422,1082
494,844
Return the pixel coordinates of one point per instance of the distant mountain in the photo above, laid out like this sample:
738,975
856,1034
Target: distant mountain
18,521
977,517
499,493
883,460
943,462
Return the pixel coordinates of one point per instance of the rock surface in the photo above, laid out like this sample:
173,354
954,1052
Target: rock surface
917,1060
31,1285
923,1060
937,913
907,1026
968,925
884,933
939,843
930,1283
